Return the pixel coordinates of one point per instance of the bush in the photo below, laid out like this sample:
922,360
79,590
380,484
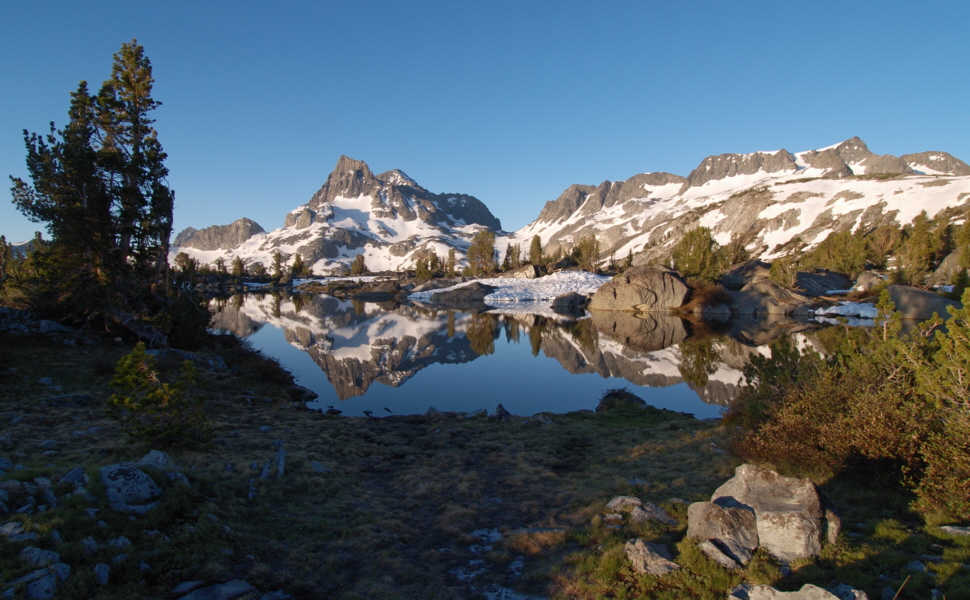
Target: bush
891,400
165,413
697,254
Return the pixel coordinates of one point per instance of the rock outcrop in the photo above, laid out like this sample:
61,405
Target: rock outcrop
723,166
760,508
642,289
218,237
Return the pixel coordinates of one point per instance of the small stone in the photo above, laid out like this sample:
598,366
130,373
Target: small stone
916,566
649,558
228,468
651,512
265,428
90,544
119,542
187,586
12,528
56,536
101,572
143,566
952,530
179,478
45,381
120,558
212,517
317,467
230,589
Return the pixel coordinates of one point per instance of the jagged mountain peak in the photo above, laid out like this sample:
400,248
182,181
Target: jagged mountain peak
729,165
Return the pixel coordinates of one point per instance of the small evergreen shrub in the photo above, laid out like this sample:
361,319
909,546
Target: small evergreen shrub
165,413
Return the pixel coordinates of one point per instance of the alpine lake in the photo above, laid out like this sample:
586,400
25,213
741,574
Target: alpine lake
401,359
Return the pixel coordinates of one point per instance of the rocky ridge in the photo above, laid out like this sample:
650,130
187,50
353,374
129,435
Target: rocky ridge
775,202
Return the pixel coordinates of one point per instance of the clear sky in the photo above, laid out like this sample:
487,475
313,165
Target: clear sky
508,101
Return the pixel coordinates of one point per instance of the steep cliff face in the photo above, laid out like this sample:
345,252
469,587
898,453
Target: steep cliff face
388,218
775,202
218,237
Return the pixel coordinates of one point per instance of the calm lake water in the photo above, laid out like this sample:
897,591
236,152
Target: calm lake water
405,359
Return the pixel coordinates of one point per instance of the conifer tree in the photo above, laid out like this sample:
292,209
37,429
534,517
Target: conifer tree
481,253
535,251
699,255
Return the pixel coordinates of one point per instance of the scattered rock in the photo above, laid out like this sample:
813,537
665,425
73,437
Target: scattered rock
711,551
763,296
158,459
42,589
221,591
646,557
525,272
318,468
36,556
101,572
651,512
77,477
298,393
953,530
623,503
129,489
471,296
500,414
808,592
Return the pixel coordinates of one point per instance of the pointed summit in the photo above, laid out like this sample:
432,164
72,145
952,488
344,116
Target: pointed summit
349,179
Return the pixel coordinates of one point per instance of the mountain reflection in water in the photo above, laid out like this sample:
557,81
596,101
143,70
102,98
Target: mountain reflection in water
667,361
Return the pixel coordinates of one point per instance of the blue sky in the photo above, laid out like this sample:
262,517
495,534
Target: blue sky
508,101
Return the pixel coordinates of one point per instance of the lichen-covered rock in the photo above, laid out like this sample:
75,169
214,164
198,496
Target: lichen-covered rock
129,489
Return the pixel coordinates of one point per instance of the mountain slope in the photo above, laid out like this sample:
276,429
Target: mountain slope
777,202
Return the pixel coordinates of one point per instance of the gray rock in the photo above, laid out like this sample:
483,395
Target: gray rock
766,592
914,303
651,512
298,393
76,477
730,165
867,280
788,510
950,529
845,592
63,571
129,489
318,468
187,586
221,591
48,326
42,589
941,162
101,573
714,553
32,576
710,521
570,300
11,528
763,296
916,567
33,555
623,503
820,282
119,542
500,414
649,558
471,296
158,459
179,478
45,381
525,272
90,544
744,273
641,289
277,595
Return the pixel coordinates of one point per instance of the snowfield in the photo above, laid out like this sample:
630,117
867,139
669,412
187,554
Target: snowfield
513,290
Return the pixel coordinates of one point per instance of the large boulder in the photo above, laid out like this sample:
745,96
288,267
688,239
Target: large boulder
744,273
763,296
734,524
867,281
788,512
642,289
471,296
915,303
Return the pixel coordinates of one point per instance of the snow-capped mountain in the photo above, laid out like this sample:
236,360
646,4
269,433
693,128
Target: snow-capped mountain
388,218
778,202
